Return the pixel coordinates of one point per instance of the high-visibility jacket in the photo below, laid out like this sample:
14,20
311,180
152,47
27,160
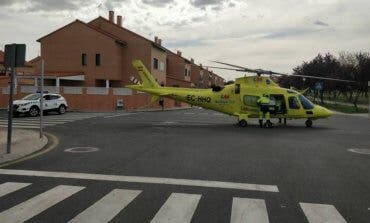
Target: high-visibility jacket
263,101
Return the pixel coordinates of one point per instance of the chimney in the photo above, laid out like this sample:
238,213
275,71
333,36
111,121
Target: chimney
111,16
156,39
179,53
119,20
160,42
192,60
201,65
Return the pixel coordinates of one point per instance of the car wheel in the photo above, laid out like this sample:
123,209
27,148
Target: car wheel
34,111
62,109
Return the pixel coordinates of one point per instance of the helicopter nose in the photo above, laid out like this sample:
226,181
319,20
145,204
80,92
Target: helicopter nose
322,112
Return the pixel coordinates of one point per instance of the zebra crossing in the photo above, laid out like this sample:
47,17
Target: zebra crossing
178,208
48,120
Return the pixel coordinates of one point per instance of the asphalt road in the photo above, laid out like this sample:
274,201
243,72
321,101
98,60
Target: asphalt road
285,174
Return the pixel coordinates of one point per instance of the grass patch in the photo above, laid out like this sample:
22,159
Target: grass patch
345,108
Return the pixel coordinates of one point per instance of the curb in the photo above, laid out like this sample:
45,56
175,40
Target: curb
53,141
158,110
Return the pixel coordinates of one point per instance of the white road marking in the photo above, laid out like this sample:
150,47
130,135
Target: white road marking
139,179
179,208
9,187
106,208
38,204
31,121
321,213
245,210
22,127
30,124
118,115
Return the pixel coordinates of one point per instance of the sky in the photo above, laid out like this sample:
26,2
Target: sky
267,34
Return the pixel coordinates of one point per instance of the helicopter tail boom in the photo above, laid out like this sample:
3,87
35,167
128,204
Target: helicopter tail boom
147,79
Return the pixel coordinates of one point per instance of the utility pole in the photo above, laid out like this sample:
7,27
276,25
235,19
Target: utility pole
42,97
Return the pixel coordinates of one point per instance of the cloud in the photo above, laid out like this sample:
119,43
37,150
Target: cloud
320,23
276,35
112,4
8,2
158,3
46,6
204,3
289,32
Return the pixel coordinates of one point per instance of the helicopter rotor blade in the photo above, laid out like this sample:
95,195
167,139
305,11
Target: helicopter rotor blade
317,77
268,72
243,69
225,68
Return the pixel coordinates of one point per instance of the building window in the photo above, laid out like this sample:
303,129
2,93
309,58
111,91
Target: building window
161,66
97,59
186,72
155,63
84,59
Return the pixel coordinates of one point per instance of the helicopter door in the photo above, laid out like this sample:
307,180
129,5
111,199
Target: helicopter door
294,106
280,108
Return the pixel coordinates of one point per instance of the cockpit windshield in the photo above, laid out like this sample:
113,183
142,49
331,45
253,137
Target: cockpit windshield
307,104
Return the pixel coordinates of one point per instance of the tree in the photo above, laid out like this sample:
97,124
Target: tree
348,66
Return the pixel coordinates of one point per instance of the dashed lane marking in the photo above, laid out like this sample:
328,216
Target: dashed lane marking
38,204
179,208
321,213
9,187
248,210
108,207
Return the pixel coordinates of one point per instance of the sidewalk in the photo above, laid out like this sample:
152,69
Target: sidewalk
24,142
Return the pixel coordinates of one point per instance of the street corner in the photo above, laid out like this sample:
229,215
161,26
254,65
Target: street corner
25,145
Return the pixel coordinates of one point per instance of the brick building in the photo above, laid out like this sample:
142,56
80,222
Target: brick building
2,68
97,56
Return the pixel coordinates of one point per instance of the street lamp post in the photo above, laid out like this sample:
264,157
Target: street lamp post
42,97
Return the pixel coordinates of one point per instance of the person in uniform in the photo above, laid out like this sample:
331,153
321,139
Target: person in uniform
264,104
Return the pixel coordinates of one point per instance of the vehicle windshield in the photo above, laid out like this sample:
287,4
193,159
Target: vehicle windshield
32,97
307,104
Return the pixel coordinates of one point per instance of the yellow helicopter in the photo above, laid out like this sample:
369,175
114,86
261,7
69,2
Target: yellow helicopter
239,99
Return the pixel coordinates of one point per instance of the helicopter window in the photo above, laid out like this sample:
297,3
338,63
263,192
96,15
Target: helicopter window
237,88
306,104
217,88
293,103
250,100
